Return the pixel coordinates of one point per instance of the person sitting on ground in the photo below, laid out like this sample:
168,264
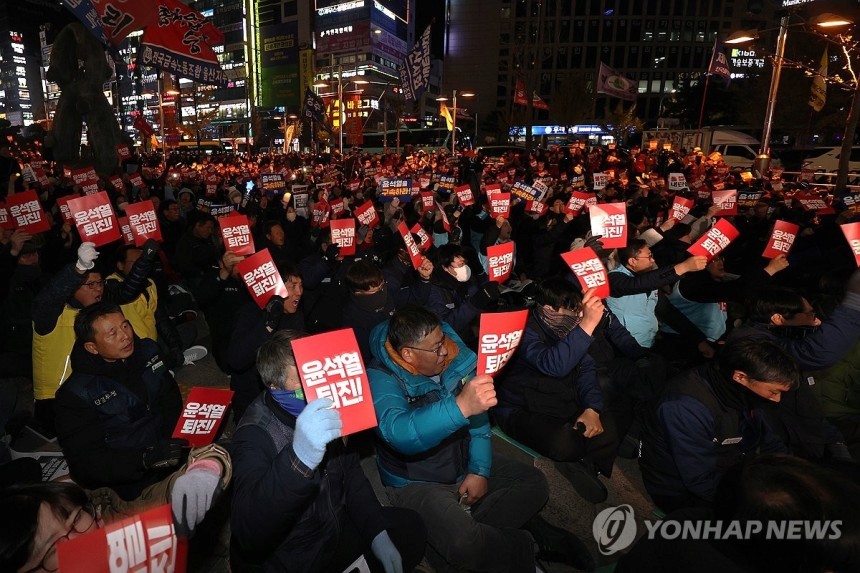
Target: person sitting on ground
115,416
296,479
434,453
369,302
549,396
709,418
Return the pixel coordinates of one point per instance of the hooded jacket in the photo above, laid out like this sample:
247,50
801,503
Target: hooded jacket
422,435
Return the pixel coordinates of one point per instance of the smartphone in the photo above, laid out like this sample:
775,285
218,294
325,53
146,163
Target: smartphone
249,185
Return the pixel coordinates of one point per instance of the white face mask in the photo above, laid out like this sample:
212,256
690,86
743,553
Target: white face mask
463,273
291,217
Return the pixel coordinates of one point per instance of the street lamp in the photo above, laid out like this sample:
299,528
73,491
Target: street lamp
454,116
762,161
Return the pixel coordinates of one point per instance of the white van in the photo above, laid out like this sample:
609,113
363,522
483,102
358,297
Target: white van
829,160
738,149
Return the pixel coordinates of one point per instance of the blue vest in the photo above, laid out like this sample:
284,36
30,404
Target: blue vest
709,317
636,312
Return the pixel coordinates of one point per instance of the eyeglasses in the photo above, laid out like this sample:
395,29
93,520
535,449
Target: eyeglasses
83,521
649,257
93,285
440,349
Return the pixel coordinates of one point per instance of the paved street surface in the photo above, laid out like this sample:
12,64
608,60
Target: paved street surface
565,508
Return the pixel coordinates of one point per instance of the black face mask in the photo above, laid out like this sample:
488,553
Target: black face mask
27,273
371,302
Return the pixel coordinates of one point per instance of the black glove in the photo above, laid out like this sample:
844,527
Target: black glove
150,248
487,294
164,454
331,252
595,243
274,311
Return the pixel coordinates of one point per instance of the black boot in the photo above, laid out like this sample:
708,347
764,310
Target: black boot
583,476
559,545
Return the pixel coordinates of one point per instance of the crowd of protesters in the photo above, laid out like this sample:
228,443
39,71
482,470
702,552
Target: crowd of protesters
693,364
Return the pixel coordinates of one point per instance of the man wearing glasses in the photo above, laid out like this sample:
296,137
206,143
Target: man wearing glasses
434,452
76,286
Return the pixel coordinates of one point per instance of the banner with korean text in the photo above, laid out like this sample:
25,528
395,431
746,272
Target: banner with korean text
609,220
366,214
781,239
202,415
715,240
236,233
27,213
499,336
727,201
500,260
852,235
500,205
589,270
681,207
95,219
143,222
411,246
343,235
261,277
330,366
390,188
464,195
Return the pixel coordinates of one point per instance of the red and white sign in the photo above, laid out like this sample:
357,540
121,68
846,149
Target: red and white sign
136,180
727,201
500,260
236,232
411,245
337,207
446,224
87,179
499,336
781,239
817,204
677,181
536,207
852,235
600,181
117,184
425,237
212,181
464,195
330,366
715,240
125,229
95,219
143,221
137,544
202,414
589,270
63,208
610,221
424,182
123,151
343,235
6,221
579,201
27,213
427,200
320,215
366,215
681,207
500,204
261,277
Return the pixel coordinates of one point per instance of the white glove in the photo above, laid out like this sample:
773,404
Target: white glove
192,496
87,255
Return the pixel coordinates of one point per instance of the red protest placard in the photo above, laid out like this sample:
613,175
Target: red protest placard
144,542
136,180
727,201
331,367
536,207
85,176
117,184
464,195
366,214
63,207
125,229
423,236
499,336
27,213
500,260
446,224
123,151
411,245
337,207
817,204
588,268
579,200
715,240
202,414
143,221
610,221
852,235
343,235
500,204
781,239
236,233
320,215
6,220
95,219
427,200
261,277
681,207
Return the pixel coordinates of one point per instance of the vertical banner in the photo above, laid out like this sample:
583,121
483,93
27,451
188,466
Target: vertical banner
279,65
781,239
343,235
715,240
143,222
236,233
610,221
330,366
95,219
261,277
589,270
500,260
499,336
852,235
202,415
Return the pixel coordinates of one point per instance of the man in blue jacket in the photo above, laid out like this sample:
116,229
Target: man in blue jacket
434,452
710,418
301,501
